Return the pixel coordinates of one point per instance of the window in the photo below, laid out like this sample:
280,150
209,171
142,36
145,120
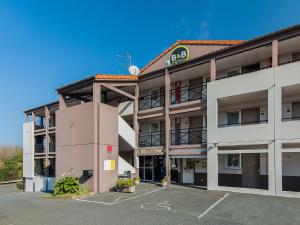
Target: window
232,118
233,73
233,161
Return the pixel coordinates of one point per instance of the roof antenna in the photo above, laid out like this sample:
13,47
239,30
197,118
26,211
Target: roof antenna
127,58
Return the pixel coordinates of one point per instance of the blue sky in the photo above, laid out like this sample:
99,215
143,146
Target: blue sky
46,44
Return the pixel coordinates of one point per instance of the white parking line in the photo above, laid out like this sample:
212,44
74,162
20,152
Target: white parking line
213,206
117,201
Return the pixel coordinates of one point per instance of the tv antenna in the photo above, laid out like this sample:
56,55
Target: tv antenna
127,58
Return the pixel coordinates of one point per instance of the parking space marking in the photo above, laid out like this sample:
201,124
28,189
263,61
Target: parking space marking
117,201
213,206
156,206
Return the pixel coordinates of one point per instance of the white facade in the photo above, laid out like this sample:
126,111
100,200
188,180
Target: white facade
272,133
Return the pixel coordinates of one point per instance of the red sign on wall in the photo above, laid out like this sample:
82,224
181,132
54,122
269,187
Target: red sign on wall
109,148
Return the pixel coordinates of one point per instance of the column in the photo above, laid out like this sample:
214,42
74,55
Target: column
47,139
274,53
136,129
167,123
62,101
97,100
213,70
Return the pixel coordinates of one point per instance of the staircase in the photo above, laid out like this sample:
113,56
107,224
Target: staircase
125,166
126,132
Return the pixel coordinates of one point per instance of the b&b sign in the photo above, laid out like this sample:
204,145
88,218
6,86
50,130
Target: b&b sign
178,55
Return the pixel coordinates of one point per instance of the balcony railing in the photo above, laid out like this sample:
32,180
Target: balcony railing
39,148
189,136
51,147
52,123
243,123
39,125
188,93
151,101
151,139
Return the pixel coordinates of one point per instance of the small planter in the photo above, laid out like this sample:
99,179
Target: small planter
129,189
164,184
137,182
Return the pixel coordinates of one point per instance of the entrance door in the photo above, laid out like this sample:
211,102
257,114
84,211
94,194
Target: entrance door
188,171
250,170
146,168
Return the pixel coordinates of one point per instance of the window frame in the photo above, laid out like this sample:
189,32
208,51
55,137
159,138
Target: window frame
233,167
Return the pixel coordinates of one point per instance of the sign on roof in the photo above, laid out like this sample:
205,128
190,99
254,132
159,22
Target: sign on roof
179,54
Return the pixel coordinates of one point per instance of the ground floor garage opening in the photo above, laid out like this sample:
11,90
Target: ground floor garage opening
248,170
291,171
189,171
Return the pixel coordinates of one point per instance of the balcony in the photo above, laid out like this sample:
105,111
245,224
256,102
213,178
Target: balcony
231,124
40,124
151,139
39,148
151,101
52,123
188,93
189,136
52,148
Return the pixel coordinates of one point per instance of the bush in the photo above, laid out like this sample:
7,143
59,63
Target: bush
11,163
125,183
20,185
165,180
67,185
136,179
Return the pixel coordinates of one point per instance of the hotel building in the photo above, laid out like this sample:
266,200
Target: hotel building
217,114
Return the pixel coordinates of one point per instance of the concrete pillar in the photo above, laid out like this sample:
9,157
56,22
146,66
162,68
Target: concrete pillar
213,70
167,123
136,129
272,115
274,53
47,117
62,102
212,149
97,100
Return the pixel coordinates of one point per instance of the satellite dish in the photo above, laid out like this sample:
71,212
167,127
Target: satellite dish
134,70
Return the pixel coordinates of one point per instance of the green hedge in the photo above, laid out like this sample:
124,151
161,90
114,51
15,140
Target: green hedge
67,185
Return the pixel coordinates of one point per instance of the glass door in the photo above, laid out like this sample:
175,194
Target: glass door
146,168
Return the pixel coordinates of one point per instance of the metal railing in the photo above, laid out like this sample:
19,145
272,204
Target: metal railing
188,93
52,123
243,123
291,118
151,101
39,148
51,147
151,139
189,136
40,124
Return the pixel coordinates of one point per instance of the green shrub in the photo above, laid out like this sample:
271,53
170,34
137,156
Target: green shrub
67,185
125,183
136,179
83,190
165,180
20,185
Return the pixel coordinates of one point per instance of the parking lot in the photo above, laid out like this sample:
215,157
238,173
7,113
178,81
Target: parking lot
150,204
